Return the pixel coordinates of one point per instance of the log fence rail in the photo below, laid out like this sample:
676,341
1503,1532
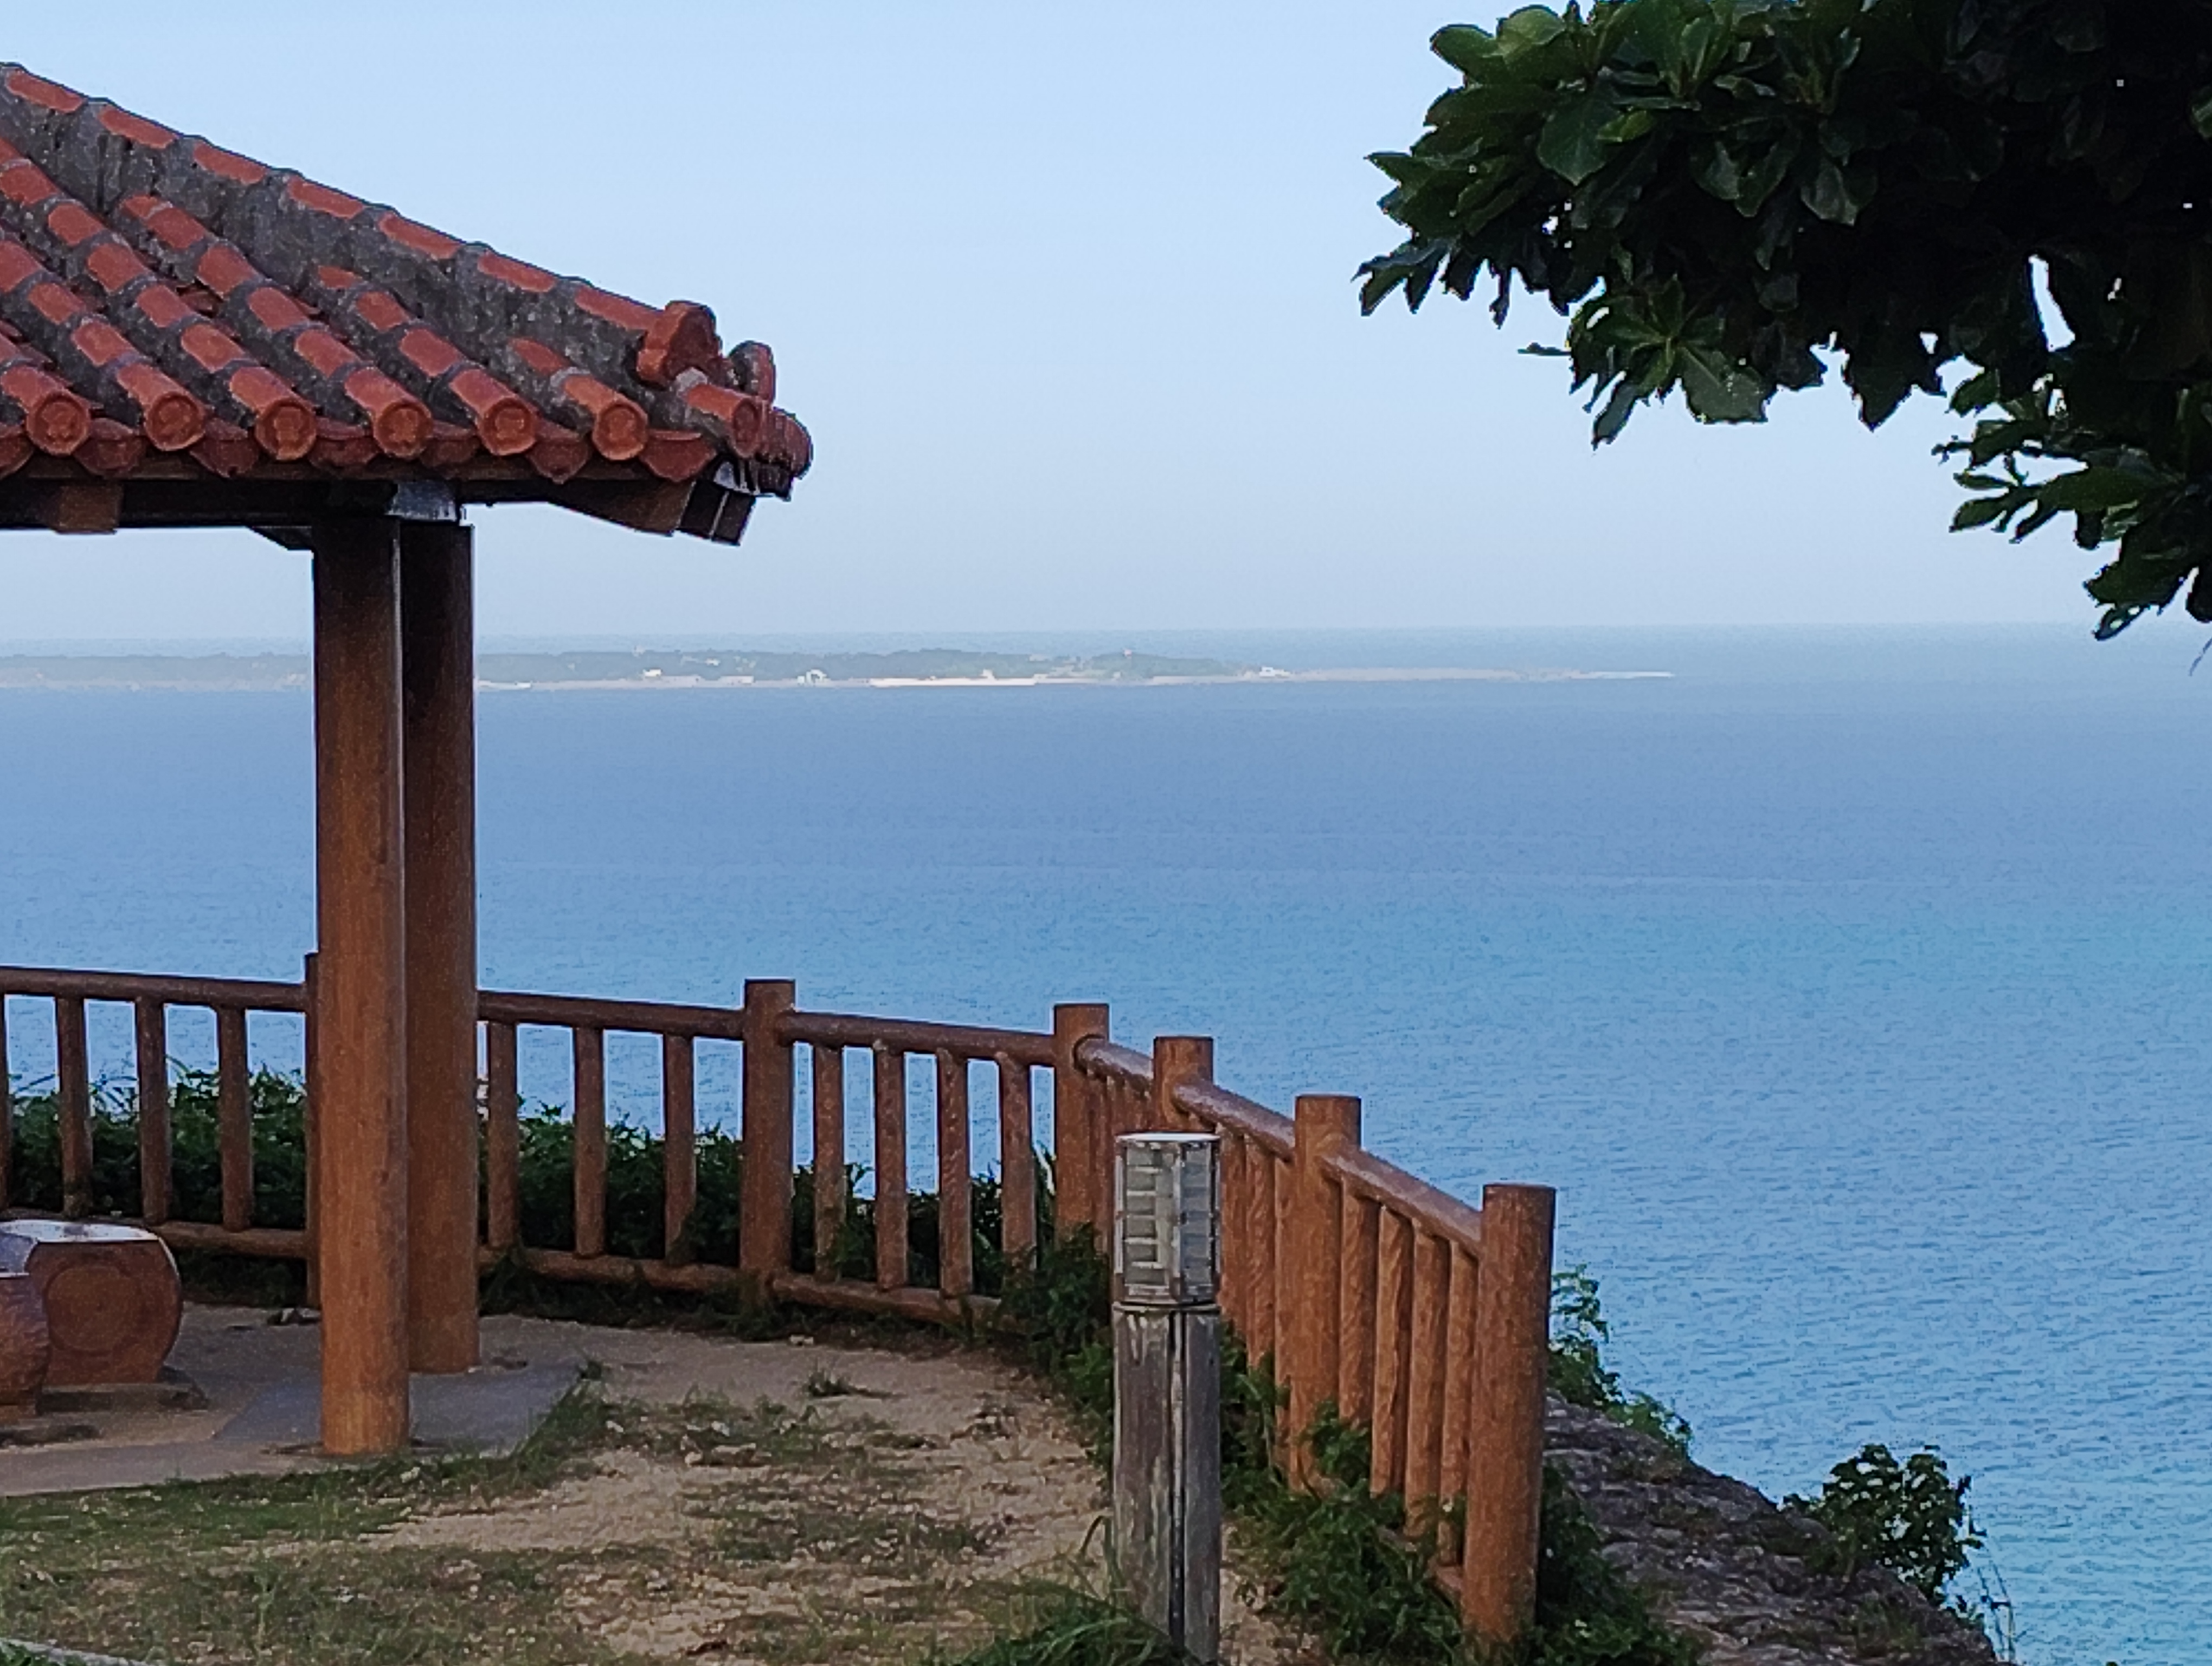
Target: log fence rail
1415,1316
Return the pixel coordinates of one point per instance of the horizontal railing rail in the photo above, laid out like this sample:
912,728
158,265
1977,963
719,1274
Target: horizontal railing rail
965,1040
1368,1291
1370,1179
586,1012
261,995
1232,1113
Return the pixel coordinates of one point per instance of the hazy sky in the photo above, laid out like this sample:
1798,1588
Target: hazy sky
1064,296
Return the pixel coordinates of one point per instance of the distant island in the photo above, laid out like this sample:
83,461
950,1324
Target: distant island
729,668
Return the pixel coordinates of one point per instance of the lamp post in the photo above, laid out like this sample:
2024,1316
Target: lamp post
1167,1383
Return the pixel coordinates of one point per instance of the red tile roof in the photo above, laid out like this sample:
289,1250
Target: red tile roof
173,316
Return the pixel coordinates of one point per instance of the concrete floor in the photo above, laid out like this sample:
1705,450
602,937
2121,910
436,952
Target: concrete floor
241,1399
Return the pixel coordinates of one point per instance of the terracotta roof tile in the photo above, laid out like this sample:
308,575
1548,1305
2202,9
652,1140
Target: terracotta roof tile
55,418
160,296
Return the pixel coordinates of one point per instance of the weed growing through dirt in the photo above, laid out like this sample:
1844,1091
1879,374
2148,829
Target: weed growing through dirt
1061,1626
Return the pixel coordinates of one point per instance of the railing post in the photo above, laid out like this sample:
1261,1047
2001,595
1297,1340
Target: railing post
1177,1059
311,1128
679,1151
7,1114
1323,1122
588,1120
234,1118
764,1206
1080,1152
1424,1379
154,1168
889,1065
1356,1317
1505,1434
1017,1166
956,1248
502,1139
1392,1291
73,1082
829,1068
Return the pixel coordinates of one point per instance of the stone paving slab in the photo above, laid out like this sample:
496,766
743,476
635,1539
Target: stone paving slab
490,1411
243,1400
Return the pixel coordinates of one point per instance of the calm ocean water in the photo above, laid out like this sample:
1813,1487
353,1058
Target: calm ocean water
1851,986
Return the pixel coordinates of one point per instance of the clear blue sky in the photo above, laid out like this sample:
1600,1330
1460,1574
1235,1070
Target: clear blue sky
1064,295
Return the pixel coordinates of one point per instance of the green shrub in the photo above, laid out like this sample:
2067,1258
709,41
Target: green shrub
1910,1518
278,1106
634,1218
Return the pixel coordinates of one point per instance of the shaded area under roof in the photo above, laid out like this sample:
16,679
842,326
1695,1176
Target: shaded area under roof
190,338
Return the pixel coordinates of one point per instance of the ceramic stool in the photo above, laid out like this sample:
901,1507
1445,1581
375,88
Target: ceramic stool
112,1301
23,1347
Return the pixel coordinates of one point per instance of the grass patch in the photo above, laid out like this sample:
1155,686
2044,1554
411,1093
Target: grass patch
271,1569
1060,1626
764,1519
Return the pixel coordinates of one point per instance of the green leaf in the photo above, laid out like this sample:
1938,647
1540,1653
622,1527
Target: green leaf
1976,392
1618,409
1838,194
1574,142
1714,166
1529,28
2094,489
1405,170
1466,48
1719,390
1768,166
2200,111
1977,512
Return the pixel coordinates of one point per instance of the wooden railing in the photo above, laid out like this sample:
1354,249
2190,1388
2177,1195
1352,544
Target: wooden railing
150,999
1413,1316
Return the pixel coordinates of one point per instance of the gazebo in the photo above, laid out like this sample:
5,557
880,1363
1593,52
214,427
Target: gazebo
190,338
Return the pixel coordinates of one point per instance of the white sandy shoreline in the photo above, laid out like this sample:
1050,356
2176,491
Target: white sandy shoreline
293,681
1343,674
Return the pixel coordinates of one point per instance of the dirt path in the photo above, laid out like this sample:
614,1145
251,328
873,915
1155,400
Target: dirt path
781,1503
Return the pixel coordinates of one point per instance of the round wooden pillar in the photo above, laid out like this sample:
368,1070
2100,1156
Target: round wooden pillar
360,1029
437,678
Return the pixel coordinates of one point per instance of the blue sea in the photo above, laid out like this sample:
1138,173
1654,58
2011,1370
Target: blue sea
1854,987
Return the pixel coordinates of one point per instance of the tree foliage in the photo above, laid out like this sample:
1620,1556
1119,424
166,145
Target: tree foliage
1730,197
